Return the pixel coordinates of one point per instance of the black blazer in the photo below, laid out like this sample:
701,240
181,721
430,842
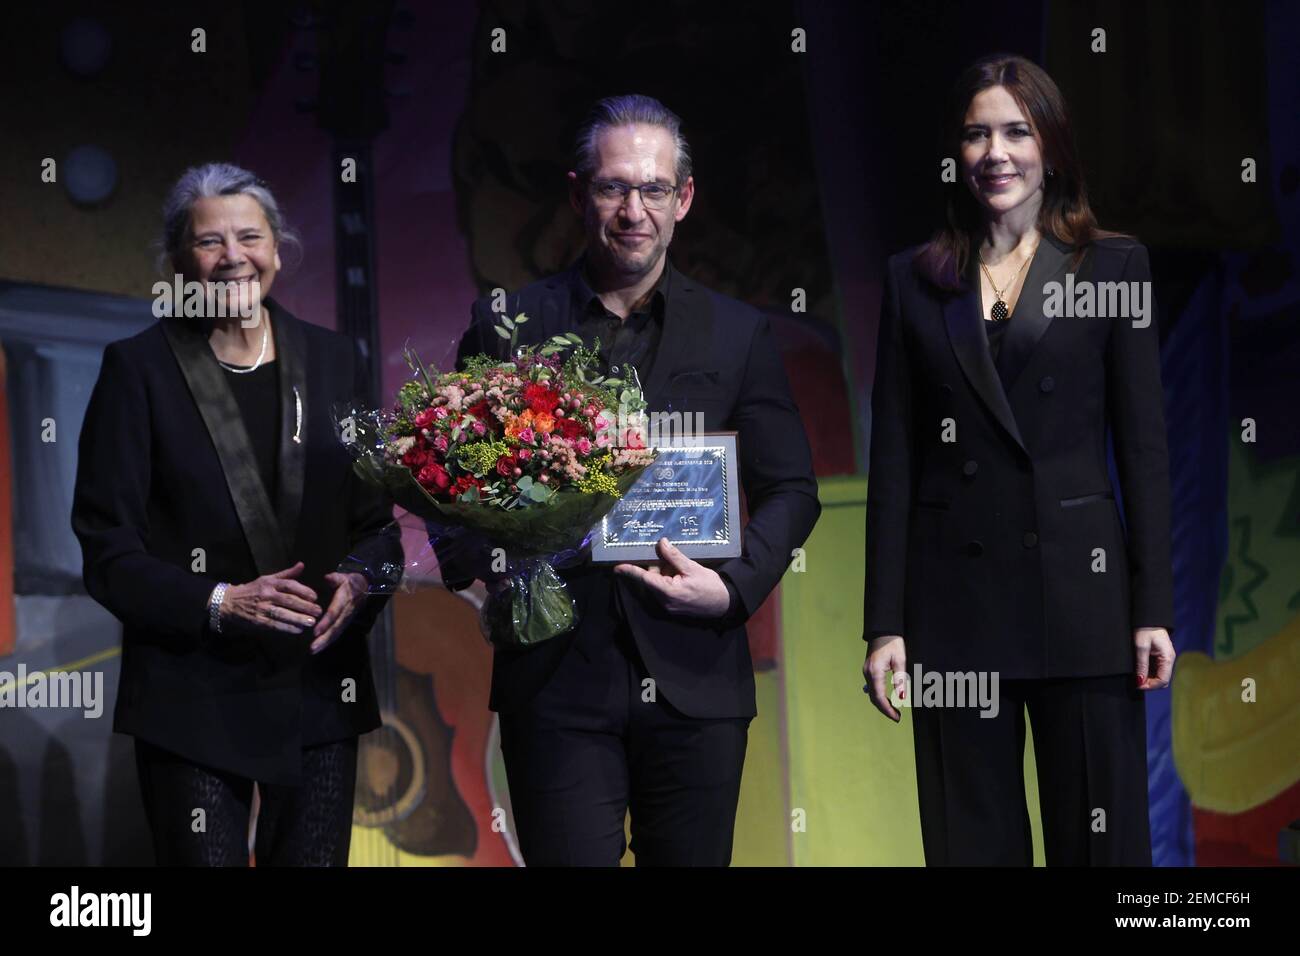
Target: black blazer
165,467
716,357
981,551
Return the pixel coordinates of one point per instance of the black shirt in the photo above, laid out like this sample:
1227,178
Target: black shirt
994,331
632,341
257,394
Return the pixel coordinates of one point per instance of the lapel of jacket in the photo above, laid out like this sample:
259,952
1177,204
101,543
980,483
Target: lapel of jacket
688,328
1028,323
225,427
290,356
962,316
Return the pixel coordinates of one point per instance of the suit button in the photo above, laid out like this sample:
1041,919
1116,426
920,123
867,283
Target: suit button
614,369
1030,539
946,389
1047,384
970,468
974,549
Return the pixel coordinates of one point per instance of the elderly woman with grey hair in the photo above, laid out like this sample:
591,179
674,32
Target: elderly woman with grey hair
220,521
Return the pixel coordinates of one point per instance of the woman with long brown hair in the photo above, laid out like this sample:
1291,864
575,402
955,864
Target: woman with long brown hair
1004,573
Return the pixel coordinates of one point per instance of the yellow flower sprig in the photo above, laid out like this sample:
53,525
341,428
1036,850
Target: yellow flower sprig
597,480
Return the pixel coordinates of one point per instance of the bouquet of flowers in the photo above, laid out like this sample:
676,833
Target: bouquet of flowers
517,458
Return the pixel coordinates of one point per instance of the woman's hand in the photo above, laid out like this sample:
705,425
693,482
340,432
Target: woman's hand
1154,645
273,602
350,590
885,653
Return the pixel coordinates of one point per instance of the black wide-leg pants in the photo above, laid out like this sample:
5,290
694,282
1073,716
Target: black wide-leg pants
1090,749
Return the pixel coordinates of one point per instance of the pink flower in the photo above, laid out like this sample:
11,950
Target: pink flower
526,436
425,418
479,428
583,446
440,443
525,454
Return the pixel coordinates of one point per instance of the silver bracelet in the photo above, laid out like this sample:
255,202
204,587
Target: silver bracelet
214,606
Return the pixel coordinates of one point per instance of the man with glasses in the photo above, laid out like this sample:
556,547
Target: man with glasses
645,705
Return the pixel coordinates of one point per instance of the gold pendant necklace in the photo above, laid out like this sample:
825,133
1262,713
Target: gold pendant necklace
1000,312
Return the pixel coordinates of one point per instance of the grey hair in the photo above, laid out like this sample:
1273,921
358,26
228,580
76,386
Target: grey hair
208,181
615,111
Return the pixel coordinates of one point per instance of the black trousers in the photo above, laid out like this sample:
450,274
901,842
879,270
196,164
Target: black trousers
596,742
306,825
1090,750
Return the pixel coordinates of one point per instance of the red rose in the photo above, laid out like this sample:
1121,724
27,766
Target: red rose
417,458
541,398
434,477
463,484
506,465
425,418
570,428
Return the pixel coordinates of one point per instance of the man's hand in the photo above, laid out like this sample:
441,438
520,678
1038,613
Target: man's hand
1153,646
681,585
349,591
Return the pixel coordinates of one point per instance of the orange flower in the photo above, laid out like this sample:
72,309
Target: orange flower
517,423
543,422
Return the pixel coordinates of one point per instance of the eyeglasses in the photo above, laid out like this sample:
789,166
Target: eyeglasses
614,192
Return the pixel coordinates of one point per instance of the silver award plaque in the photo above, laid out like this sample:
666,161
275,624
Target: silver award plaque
689,494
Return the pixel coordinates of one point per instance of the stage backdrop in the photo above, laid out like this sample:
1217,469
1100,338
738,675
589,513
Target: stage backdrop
468,195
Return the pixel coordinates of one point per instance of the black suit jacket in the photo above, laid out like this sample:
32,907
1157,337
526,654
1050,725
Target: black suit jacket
160,474
716,357
982,552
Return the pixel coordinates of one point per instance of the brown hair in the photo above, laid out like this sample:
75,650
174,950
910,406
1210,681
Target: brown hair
1065,212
